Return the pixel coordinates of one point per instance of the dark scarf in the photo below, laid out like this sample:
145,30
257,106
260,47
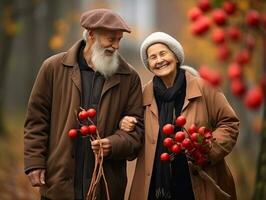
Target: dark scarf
169,101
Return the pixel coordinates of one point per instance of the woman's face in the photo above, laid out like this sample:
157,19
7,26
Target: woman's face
162,61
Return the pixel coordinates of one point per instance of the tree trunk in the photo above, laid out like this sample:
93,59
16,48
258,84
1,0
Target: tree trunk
260,185
6,41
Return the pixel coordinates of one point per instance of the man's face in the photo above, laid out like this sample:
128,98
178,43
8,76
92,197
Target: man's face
162,61
109,40
104,56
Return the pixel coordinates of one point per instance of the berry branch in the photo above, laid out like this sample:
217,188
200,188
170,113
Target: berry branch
89,130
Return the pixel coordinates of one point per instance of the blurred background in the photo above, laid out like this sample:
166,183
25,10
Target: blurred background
224,40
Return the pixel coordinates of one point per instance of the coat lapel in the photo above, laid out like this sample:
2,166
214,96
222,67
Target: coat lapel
192,90
70,60
75,77
110,83
149,99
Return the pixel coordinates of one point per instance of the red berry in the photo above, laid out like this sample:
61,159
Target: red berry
234,71
204,5
218,36
254,98
186,143
168,142
253,18
212,77
194,13
234,33
238,87
73,133
223,52
192,129
250,42
91,112
243,57
229,7
180,121
208,135
216,79
83,115
219,17
84,130
194,137
165,157
201,26
202,130
92,129
176,148
168,129
180,136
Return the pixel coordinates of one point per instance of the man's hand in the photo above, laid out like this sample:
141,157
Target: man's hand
128,123
106,145
37,177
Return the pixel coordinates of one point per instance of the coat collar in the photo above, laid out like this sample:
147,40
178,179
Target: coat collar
192,91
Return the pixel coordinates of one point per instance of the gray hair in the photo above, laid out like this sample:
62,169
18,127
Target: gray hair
85,35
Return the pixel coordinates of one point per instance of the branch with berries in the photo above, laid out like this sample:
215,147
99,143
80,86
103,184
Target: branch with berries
89,130
237,29
195,142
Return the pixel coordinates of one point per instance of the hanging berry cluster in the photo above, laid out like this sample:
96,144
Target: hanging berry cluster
194,142
236,28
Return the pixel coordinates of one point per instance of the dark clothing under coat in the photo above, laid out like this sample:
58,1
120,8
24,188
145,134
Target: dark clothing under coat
55,97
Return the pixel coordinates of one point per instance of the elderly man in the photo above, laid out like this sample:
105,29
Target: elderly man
91,74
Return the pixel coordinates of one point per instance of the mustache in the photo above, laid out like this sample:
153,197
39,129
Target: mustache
111,49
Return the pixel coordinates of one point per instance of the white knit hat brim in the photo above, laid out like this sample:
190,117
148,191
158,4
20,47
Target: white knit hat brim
160,37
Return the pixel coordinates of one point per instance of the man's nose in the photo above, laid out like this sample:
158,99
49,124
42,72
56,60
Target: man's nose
115,45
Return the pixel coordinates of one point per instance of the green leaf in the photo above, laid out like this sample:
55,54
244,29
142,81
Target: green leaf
200,139
217,3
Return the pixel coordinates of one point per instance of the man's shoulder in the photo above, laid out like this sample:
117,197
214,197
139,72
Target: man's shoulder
54,58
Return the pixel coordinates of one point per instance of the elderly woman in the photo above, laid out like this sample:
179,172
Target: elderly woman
174,91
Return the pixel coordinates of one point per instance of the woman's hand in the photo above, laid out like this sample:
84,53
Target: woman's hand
128,123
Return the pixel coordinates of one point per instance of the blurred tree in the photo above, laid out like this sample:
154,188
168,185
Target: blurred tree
238,32
8,30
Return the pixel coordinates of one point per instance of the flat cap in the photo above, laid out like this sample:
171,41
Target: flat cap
103,18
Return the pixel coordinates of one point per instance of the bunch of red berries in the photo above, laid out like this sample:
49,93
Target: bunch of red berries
194,142
88,129
84,118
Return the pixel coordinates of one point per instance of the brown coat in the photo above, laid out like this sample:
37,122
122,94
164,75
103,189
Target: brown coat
202,105
55,97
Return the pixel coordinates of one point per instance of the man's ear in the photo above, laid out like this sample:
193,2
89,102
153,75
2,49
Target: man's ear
91,34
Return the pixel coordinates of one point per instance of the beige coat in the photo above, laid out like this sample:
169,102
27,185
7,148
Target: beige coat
202,106
55,97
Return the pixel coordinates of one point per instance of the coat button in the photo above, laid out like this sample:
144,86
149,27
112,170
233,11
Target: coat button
153,141
148,173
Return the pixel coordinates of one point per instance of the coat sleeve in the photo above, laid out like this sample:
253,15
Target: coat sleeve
126,145
37,122
224,122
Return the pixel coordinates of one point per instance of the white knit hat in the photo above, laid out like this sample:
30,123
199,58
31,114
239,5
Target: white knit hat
160,37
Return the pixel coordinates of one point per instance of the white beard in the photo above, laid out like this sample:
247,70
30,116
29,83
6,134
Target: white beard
105,65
